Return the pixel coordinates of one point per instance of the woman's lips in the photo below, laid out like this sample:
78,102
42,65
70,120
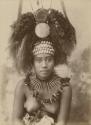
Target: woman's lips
44,71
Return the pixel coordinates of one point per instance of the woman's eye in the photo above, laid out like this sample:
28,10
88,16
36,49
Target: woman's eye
48,59
38,60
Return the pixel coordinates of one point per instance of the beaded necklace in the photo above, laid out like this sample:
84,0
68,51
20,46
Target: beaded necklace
53,87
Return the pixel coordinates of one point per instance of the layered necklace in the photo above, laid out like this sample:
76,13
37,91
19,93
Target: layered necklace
45,91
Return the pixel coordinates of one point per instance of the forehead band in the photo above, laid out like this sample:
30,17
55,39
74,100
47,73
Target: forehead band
43,47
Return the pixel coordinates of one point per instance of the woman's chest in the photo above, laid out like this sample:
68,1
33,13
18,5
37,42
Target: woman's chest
34,103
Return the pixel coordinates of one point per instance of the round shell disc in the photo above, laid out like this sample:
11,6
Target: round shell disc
42,30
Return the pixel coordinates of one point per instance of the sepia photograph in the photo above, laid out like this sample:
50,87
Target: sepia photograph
45,57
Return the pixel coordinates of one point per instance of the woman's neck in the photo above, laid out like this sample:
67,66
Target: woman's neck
45,79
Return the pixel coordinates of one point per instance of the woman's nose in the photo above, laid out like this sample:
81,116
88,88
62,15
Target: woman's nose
44,64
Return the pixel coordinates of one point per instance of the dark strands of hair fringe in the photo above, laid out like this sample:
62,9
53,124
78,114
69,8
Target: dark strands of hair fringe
23,38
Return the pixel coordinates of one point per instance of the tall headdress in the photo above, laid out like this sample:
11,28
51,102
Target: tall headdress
42,26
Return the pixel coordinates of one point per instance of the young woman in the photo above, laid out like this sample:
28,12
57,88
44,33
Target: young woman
40,41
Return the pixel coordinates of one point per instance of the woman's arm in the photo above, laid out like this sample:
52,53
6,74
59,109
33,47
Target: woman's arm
18,107
65,104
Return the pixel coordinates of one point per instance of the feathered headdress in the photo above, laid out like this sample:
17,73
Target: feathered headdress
41,25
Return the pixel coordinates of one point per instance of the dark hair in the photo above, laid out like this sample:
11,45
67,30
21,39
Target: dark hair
23,38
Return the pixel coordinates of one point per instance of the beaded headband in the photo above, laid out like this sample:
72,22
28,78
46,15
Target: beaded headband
44,47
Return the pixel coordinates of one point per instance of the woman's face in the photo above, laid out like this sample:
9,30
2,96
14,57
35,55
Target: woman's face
43,65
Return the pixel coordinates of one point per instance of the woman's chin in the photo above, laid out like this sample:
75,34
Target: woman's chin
43,76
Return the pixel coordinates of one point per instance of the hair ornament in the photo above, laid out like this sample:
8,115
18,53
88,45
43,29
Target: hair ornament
47,25
40,32
44,47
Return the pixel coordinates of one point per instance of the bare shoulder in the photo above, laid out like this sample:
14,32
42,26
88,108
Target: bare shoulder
19,99
67,91
20,87
68,88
